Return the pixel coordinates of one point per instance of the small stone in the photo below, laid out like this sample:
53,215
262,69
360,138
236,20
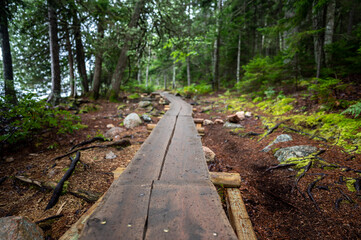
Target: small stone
209,154
146,118
207,122
132,121
116,138
16,227
9,159
248,114
233,118
52,173
144,104
280,138
218,121
232,125
111,133
110,155
241,115
110,125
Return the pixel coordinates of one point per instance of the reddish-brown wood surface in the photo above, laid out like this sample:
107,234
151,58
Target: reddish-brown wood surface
165,192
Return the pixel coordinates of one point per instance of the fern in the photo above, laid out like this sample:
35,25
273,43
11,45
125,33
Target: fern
354,109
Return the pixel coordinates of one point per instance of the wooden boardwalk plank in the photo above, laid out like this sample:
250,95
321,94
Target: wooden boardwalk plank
185,159
188,210
122,215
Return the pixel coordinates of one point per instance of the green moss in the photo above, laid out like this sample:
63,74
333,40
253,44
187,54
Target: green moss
88,108
134,96
276,107
350,183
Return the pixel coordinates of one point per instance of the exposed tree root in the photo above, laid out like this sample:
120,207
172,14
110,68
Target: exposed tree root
311,186
121,143
311,136
272,129
88,142
306,168
57,191
49,218
280,166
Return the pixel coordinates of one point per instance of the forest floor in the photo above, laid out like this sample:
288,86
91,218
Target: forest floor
277,209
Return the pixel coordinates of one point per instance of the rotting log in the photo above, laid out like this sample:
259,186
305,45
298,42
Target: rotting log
198,120
238,215
151,126
75,230
228,180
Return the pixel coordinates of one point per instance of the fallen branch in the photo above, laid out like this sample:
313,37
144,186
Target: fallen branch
49,218
121,143
312,136
272,129
57,191
88,142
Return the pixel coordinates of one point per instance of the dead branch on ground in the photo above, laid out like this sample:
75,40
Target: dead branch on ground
101,139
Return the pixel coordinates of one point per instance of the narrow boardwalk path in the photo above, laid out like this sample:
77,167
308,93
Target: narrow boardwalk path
165,192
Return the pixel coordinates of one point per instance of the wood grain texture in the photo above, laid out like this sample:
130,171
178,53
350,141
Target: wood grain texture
185,159
238,215
226,179
187,210
122,214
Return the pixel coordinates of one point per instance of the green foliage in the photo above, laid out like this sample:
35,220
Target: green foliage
354,110
134,96
260,73
277,106
29,116
196,89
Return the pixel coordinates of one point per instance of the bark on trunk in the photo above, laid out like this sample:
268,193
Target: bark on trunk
6,54
350,20
165,82
188,70
173,82
71,62
98,64
329,30
239,57
54,97
216,49
317,16
147,69
122,60
80,56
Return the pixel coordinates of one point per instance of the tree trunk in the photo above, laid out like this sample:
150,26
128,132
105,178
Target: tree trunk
239,57
216,48
71,62
165,81
147,69
98,63
122,60
54,53
139,73
330,24
173,82
188,71
317,16
10,93
80,56
350,20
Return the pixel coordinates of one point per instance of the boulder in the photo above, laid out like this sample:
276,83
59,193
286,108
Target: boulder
232,125
280,138
146,118
233,118
241,115
209,154
218,121
111,133
144,104
132,121
294,152
19,228
207,122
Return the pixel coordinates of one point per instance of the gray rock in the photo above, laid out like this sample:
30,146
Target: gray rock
144,104
132,121
207,122
295,151
147,99
218,121
19,228
146,118
209,154
232,125
241,115
279,138
114,132
110,155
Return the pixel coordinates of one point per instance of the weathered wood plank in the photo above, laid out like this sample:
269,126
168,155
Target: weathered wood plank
188,210
225,179
238,215
185,159
122,214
